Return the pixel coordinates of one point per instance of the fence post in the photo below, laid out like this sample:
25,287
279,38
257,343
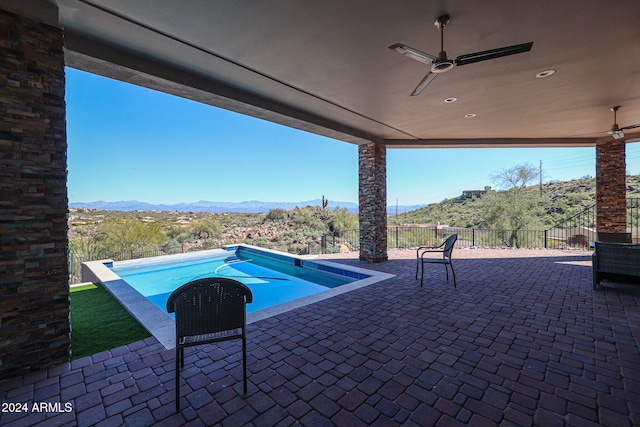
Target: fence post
397,242
545,239
473,237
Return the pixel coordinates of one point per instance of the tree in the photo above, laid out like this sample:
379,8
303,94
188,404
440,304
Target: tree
514,209
343,220
124,235
85,244
517,177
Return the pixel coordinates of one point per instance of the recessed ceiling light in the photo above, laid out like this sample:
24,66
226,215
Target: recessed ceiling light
450,100
469,116
545,73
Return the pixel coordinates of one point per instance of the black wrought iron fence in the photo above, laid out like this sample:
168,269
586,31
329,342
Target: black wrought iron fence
575,232
580,230
347,240
633,218
76,260
406,237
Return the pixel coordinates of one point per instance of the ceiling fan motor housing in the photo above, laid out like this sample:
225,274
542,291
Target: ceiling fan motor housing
442,65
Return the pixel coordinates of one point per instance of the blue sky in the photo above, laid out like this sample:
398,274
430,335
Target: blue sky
130,143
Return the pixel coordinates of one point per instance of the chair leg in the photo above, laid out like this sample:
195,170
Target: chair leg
178,379
446,269
417,264
422,275
454,275
244,362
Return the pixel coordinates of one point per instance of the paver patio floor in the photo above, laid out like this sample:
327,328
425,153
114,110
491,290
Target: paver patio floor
523,340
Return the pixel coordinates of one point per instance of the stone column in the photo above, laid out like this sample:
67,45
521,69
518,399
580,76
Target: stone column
372,175
34,276
611,191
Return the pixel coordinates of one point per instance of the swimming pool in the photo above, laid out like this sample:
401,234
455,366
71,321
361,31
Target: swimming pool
279,282
273,278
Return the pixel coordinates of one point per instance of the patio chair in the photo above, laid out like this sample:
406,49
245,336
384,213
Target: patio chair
209,310
445,249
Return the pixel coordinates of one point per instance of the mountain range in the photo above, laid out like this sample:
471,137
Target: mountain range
252,206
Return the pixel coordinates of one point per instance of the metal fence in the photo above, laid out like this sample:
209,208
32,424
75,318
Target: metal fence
406,237
580,229
633,219
410,237
347,240
575,232
76,260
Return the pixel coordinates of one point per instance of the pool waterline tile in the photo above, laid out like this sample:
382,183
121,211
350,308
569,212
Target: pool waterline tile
161,325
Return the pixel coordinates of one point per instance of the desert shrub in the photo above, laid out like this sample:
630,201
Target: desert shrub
309,218
276,215
204,229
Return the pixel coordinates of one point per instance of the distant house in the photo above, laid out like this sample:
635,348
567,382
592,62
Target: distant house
468,194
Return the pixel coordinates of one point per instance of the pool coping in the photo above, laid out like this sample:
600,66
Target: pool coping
162,326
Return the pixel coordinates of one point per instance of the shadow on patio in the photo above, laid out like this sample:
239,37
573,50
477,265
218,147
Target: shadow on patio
523,340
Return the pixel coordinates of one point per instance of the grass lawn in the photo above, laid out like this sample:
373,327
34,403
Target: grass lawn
99,322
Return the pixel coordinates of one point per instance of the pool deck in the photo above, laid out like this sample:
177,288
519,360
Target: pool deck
523,340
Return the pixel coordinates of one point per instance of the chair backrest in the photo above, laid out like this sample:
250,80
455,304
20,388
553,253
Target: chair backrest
448,245
209,305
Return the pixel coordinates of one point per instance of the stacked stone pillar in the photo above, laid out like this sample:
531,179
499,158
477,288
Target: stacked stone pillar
372,175
611,191
34,279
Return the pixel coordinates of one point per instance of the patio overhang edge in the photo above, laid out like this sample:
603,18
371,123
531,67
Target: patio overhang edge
491,143
95,56
84,52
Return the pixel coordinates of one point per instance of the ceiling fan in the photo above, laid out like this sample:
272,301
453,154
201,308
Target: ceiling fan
441,64
618,132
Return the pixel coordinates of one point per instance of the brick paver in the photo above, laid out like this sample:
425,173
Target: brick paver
523,340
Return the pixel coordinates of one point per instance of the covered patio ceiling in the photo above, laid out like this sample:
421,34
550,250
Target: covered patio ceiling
325,66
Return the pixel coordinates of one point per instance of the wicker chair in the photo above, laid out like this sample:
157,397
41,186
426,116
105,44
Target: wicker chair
445,249
616,261
209,310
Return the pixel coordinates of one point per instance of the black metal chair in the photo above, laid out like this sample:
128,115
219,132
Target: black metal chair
445,249
209,310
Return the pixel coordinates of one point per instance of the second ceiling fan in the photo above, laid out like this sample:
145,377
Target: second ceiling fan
441,64
616,131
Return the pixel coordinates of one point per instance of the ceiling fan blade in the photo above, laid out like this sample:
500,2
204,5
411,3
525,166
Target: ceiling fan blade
630,127
424,83
412,53
470,58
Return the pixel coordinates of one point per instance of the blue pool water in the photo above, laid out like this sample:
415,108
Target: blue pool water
273,278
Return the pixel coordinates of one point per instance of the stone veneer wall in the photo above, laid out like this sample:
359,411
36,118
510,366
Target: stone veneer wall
372,175
34,281
611,187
